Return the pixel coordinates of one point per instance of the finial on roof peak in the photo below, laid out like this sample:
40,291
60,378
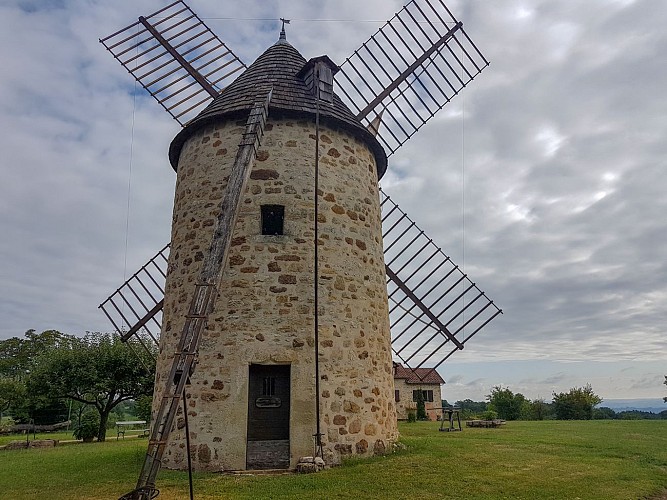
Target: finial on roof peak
283,36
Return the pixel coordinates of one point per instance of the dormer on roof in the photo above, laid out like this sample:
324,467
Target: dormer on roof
318,74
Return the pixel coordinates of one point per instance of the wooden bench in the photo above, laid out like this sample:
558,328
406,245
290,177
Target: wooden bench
137,427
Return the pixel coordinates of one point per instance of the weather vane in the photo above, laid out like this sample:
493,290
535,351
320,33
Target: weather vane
282,31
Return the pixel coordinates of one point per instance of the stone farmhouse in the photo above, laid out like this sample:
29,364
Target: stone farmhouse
408,383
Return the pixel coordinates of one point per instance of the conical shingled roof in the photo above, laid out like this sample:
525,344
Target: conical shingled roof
277,67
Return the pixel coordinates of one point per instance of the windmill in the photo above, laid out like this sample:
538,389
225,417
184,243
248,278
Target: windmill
285,255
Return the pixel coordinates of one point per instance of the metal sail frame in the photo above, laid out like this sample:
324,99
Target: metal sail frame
174,55
387,78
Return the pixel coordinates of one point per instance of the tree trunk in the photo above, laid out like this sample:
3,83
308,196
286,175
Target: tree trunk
102,432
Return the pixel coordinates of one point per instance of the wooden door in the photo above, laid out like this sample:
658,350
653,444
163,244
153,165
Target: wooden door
268,417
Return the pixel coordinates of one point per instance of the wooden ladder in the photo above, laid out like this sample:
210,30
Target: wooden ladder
206,291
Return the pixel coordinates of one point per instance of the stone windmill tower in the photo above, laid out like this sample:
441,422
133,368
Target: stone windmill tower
275,324
259,340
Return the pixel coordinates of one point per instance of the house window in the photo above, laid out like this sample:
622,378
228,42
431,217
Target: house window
397,395
426,395
273,218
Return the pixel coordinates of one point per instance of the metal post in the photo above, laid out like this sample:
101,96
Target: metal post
318,434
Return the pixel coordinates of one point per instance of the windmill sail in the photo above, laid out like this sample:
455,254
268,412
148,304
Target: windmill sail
435,308
176,58
407,71
136,306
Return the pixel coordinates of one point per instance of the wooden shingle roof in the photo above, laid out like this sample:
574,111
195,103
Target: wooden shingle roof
277,67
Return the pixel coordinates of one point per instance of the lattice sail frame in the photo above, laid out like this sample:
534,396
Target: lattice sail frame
435,307
176,58
406,85
136,306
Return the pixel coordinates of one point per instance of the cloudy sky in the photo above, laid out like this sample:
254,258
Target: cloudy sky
545,179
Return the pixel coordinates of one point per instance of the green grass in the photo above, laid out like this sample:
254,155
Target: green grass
60,436
523,460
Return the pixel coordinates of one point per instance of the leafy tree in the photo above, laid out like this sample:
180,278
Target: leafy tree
577,404
539,409
473,406
508,405
17,359
603,413
12,394
142,408
88,426
98,370
17,355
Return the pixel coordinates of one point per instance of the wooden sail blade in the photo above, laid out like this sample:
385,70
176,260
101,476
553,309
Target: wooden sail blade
136,306
176,58
434,307
407,71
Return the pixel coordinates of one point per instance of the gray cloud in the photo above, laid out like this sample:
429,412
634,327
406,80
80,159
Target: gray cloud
545,179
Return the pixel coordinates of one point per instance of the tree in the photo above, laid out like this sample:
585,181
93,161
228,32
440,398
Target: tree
577,404
539,409
506,404
603,413
421,406
98,370
17,360
142,408
665,382
12,394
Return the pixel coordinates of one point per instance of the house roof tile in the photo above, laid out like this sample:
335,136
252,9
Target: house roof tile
417,375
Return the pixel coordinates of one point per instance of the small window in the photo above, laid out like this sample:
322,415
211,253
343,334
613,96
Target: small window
273,218
397,395
427,396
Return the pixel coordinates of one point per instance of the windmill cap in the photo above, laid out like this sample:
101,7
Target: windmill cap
280,67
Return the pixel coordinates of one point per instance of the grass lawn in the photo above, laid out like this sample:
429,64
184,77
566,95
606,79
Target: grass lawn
60,436
523,460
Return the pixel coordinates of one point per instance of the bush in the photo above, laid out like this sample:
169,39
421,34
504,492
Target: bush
88,426
412,416
6,425
489,415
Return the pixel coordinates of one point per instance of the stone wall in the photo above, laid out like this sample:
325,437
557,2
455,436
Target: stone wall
406,402
264,312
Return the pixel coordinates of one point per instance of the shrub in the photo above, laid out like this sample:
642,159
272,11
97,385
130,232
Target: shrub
489,415
88,426
6,425
412,416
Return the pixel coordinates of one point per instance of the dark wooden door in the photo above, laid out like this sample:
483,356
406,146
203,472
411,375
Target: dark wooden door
268,417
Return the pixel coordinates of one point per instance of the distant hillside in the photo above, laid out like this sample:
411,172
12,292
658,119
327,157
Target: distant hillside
652,405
